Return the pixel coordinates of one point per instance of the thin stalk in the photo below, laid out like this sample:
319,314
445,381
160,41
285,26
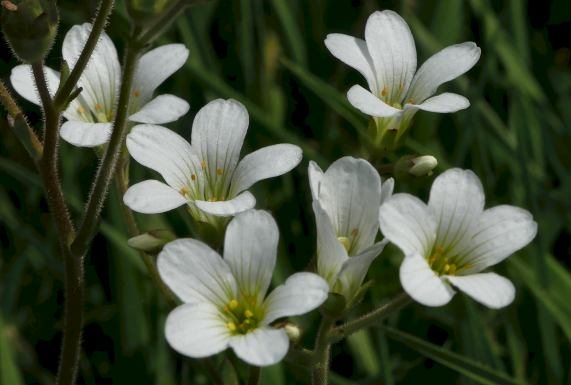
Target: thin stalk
103,12
121,183
255,375
73,316
19,124
369,319
322,353
112,152
211,371
165,19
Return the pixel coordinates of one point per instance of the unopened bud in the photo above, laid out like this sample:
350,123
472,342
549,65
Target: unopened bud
292,331
143,11
423,165
29,26
152,241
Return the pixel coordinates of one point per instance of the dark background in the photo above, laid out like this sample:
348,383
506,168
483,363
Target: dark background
269,54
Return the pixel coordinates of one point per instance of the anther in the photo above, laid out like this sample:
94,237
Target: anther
98,107
136,93
231,326
248,314
218,171
203,164
184,190
233,304
193,177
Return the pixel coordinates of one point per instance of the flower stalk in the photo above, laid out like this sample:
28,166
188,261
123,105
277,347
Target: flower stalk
322,353
255,375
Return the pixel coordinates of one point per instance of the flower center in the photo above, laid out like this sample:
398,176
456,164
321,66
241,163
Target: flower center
241,317
348,241
444,264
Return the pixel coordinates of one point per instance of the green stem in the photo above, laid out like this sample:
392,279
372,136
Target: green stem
112,152
164,20
322,353
19,124
121,183
74,283
369,319
211,371
103,12
255,375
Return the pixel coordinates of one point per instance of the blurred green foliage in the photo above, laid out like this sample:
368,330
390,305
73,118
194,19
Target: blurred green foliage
269,54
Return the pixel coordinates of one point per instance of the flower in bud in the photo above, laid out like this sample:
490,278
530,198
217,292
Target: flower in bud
29,27
292,330
151,241
143,11
423,165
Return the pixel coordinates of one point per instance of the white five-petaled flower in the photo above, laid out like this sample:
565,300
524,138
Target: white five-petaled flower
90,115
450,241
387,60
206,175
346,200
225,298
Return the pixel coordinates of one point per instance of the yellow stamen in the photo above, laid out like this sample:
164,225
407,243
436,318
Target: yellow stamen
80,110
231,326
345,242
219,171
233,304
136,93
184,190
98,107
213,199
384,91
193,177
203,164
248,314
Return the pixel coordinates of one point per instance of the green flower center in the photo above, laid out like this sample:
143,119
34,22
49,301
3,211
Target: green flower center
442,263
242,316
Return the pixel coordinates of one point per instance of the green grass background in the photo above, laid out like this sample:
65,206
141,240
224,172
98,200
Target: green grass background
269,54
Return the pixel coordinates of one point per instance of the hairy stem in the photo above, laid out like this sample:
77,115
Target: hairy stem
73,316
369,319
121,182
110,157
19,124
255,375
103,12
322,353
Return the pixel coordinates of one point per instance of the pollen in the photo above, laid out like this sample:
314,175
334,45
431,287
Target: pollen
203,164
248,314
184,190
233,304
231,326
219,171
98,107
193,177
80,110
136,93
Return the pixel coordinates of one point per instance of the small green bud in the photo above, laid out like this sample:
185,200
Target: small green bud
144,11
30,27
152,241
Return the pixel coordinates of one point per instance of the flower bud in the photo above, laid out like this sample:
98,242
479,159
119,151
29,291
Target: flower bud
29,27
143,11
423,165
152,241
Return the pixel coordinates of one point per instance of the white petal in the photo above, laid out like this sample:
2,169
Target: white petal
387,189
102,75
456,202
162,109
218,132
264,163
406,222
196,273
442,67
315,174
156,66
261,347
392,49
242,202
250,249
499,232
369,104
330,253
350,193
23,82
490,289
422,284
196,330
355,269
152,197
166,152
83,134
443,103
300,294
353,52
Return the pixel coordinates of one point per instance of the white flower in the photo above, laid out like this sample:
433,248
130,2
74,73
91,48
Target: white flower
225,298
450,241
90,115
387,60
346,200
206,175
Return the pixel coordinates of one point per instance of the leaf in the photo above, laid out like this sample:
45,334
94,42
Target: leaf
457,362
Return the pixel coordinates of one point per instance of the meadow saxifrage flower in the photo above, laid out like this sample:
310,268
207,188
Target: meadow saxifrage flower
450,242
346,201
89,116
225,301
207,174
387,60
